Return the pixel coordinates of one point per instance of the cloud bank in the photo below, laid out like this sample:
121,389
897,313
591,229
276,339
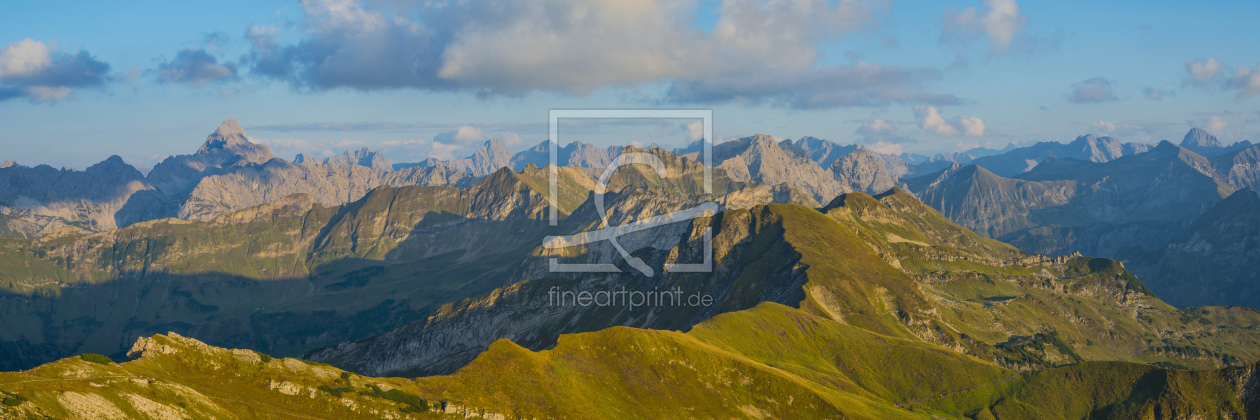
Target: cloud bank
36,71
762,52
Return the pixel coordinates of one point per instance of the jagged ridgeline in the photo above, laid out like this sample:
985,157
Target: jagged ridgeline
869,307
866,307
294,275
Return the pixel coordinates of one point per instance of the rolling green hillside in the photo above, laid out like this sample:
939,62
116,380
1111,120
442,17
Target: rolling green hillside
770,361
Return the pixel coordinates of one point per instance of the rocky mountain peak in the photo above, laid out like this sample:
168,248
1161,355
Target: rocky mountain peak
1165,145
112,162
228,136
1198,137
762,140
8,164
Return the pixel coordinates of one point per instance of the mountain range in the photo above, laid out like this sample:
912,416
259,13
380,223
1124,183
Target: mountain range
867,307
1098,280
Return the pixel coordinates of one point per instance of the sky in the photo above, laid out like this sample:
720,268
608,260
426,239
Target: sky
80,81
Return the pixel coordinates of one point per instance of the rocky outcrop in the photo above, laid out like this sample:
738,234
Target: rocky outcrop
489,158
576,154
1066,205
861,170
41,199
1205,144
329,185
223,150
1213,262
1241,169
362,157
1087,148
822,151
761,159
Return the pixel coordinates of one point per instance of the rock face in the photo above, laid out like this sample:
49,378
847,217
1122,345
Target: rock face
225,149
822,151
1241,169
1214,261
861,170
762,160
41,199
576,154
1066,205
227,173
489,158
362,157
1205,144
1087,148
329,185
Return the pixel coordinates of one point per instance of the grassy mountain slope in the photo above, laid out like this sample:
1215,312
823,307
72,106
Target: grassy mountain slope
770,361
888,265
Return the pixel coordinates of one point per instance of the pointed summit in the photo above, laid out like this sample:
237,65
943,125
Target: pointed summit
228,136
1198,138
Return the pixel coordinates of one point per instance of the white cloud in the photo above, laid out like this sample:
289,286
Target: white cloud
1203,71
397,143
965,146
694,130
1103,127
930,120
878,130
1001,21
1213,124
578,46
34,70
510,139
1211,73
886,148
464,135
761,51
38,94
1247,80
970,126
24,58
1092,91
195,67
443,151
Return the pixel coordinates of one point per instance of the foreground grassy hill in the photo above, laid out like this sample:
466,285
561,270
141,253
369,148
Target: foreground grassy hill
770,361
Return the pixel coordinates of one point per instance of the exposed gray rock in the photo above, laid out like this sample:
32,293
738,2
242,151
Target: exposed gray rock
1241,169
8,164
362,157
575,154
1087,148
861,170
224,149
1214,261
1066,205
822,151
40,199
760,159
327,184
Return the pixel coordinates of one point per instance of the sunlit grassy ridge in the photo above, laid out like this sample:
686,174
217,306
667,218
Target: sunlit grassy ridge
767,362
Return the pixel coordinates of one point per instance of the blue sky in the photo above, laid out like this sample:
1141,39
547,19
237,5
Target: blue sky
80,81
